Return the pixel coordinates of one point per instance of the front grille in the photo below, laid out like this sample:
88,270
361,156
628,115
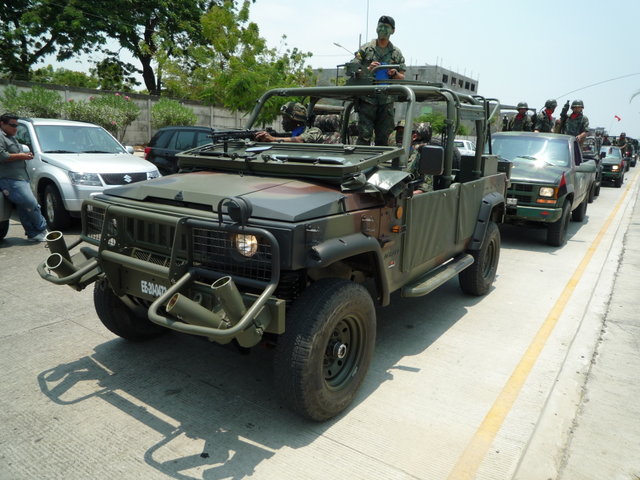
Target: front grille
94,217
151,257
213,249
123,178
522,192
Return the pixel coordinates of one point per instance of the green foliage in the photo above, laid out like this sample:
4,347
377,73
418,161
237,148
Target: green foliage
112,112
462,130
168,112
114,74
63,76
38,102
437,120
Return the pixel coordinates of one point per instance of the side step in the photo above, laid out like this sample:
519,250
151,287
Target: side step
436,277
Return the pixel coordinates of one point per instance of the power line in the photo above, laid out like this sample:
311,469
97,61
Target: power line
598,83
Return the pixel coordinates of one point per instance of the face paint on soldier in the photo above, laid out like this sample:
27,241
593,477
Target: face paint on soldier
384,30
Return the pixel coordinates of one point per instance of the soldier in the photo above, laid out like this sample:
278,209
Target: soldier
421,135
521,122
294,117
577,124
605,140
395,137
544,119
623,143
376,112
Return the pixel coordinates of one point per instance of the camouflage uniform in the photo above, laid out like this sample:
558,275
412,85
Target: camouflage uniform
311,135
544,122
376,112
575,125
520,124
330,126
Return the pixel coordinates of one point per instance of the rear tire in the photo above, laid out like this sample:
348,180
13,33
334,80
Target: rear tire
478,278
557,232
4,228
119,318
580,213
325,352
619,181
54,212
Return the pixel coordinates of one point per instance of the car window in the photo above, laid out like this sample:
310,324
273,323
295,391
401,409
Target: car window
458,144
611,152
202,138
182,140
23,136
161,138
76,139
549,150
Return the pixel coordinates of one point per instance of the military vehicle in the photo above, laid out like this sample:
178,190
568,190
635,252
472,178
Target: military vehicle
294,243
550,182
613,164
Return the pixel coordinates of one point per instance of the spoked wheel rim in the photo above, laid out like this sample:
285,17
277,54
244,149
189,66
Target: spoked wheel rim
49,206
343,352
489,260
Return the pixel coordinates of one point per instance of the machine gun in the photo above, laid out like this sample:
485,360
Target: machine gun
218,136
563,117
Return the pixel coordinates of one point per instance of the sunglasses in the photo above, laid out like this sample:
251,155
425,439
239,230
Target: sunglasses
14,125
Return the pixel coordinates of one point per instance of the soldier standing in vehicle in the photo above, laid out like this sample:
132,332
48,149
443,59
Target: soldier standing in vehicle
622,143
294,117
521,121
544,119
376,112
577,124
605,140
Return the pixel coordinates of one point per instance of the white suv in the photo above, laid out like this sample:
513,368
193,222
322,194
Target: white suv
72,160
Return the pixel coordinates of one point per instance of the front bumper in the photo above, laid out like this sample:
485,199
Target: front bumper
532,214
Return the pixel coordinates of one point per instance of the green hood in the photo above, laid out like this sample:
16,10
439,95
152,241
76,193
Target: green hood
531,171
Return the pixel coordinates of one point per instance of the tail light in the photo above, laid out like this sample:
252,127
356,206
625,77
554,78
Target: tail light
146,152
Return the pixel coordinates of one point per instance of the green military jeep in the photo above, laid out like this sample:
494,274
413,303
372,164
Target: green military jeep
294,243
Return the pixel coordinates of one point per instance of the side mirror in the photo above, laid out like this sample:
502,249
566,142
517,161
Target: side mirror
129,149
25,148
431,160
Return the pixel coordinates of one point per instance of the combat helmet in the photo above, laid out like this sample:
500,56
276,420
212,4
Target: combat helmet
295,111
551,103
522,105
577,103
423,132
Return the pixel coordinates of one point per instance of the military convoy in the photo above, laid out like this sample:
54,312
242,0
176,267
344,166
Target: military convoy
294,243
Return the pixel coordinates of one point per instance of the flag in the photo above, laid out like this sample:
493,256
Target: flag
617,117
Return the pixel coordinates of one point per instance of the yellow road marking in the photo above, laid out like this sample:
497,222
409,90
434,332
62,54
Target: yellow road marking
470,460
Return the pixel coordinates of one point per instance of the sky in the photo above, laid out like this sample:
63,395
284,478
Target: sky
518,50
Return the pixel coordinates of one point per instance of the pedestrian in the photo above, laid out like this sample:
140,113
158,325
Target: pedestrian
14,180
376,112
521,121
544,119
577,124
294,118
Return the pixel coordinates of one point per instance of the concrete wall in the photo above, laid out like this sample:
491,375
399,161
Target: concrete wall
140,131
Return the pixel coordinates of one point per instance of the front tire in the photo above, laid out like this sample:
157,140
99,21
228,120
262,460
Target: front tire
54,212
4,228
579,214
557,232
478,278
325,352
119,318
619,181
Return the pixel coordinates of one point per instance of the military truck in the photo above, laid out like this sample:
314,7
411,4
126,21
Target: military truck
294,243
550,182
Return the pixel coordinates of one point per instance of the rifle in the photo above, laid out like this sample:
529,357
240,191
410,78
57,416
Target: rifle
226,135
563,117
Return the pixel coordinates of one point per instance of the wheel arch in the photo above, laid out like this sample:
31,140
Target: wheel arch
492,209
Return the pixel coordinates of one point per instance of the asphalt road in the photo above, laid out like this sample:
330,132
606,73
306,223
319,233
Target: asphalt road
536,380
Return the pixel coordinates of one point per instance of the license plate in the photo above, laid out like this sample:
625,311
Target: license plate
512,201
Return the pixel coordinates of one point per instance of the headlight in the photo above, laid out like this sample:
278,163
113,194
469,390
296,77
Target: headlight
246,245
547,191
88,179
154,174
615,168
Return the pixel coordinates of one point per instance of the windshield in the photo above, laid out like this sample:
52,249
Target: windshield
549,150
611,152
76,139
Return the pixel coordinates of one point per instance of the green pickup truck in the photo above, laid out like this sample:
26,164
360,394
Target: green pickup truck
550,181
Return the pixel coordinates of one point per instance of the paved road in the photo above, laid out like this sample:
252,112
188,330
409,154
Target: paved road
527,383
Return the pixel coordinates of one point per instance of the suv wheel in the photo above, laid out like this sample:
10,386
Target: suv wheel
54,212
579,213
325,352
4,229
619,181
557,232
478,278
119,318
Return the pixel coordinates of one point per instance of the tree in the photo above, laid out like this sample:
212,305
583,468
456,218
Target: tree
62,76
114,74
31,30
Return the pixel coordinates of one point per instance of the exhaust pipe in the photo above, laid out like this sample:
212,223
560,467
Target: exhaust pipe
194,313
62,267
56,244
229,297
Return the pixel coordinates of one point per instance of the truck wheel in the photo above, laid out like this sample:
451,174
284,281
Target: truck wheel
478,278
592,192
618,181
54,212
557,232
597,190
327,347
119,319
579,213
4,228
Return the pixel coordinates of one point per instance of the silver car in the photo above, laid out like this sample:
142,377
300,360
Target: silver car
72,160
466,147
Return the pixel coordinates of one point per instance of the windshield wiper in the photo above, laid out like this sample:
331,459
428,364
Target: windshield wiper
59,151
96,151
536,159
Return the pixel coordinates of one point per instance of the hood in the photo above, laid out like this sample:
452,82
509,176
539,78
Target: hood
531,171
611,161
98,162
288,200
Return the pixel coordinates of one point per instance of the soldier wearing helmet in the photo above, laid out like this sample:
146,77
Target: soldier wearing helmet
422,134
544,119
577,124
623,143
294,118
376,112
521,121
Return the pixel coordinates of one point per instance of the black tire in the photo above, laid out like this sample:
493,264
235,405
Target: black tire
619,181
119,319
557,232
592,192
4,228
597,190
580,213
478,278
327,347
53,208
